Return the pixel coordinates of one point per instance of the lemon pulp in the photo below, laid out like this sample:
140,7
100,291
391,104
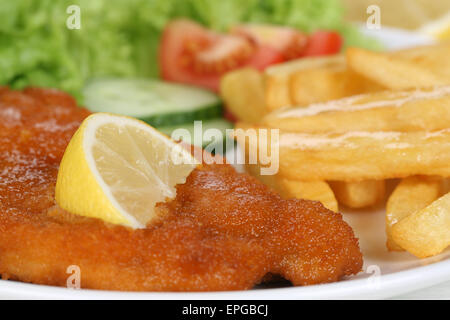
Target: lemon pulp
117,168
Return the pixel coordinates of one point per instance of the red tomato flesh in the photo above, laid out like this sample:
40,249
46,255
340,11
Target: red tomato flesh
323,43
288,41
194,55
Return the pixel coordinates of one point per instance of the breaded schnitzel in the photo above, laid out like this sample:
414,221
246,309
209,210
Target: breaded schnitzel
223,231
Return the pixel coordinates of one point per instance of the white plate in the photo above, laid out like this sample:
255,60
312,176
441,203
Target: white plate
385,274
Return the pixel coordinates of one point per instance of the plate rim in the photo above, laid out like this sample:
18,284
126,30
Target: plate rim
389,285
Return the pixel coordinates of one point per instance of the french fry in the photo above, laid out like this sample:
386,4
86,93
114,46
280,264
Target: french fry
243,92
318,79
327,83
310,190
277,78
357,156
288,188
348,130
358,194
432,57
392,72
426,232
410,110
323,84
277,94
411,195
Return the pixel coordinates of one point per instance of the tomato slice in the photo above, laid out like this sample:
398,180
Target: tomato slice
288,41
291,43
191,54
263,57
323,43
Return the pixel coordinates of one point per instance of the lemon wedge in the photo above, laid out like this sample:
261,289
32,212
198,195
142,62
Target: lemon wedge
439,29
117,168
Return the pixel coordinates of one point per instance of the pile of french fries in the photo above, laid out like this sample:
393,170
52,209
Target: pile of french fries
350,122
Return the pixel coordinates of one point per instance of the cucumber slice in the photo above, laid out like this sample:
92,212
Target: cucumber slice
156,102
220,124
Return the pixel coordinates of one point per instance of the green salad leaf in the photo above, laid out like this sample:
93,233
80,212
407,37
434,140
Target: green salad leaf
120,37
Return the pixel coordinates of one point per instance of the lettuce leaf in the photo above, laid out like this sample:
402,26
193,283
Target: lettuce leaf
120,38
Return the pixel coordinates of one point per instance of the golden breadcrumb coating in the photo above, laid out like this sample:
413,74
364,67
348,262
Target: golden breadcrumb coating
224,230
